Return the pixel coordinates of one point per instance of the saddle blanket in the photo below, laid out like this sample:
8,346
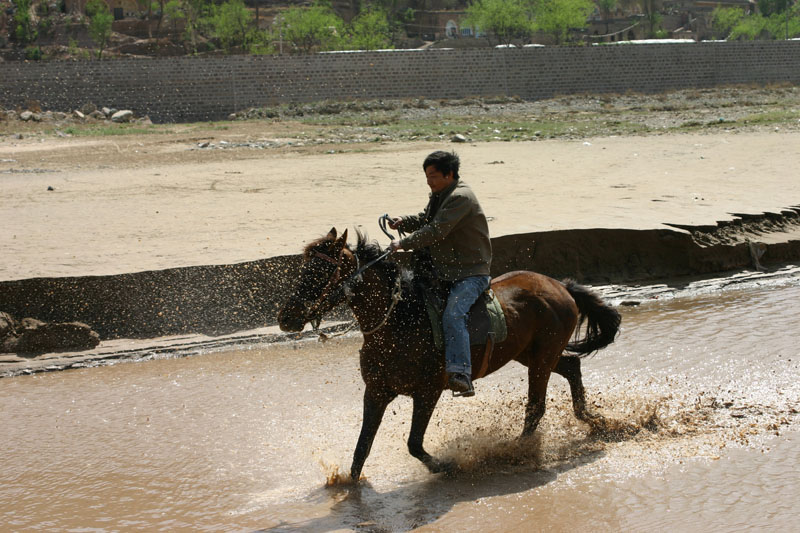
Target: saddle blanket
485,317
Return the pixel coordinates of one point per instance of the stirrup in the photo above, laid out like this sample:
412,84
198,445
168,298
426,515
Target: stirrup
465,388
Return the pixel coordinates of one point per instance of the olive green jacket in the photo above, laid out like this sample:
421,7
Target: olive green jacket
455,230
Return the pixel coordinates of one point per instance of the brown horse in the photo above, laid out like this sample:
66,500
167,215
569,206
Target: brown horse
399,355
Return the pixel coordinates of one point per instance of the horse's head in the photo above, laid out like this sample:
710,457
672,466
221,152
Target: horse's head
319,286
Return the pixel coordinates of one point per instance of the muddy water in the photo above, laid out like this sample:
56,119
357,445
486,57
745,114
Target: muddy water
703,385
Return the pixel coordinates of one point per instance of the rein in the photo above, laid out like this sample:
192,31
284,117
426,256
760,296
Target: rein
397,292
397,295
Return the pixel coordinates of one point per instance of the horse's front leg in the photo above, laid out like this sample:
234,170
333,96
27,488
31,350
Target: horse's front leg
570,368
375,402
424,404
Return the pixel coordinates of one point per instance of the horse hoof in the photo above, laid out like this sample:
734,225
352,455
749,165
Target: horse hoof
443,467
594,420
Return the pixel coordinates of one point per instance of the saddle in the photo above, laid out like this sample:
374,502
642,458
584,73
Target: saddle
486,322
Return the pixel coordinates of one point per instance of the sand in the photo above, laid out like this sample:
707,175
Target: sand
144,202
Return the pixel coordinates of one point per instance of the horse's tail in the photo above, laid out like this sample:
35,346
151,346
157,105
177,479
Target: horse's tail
602,321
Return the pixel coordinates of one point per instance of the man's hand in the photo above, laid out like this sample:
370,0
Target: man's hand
395,246
395,222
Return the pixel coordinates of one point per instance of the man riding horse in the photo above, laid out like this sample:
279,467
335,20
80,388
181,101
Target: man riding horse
453,228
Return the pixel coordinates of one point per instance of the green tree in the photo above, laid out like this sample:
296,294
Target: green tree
557,17
262,43
313,28
724,19
770,7
748,28
232,24
369,30
24,31
652,13
607,8
504,20
100,20
398,14
173,12
755,26
786,24
198,20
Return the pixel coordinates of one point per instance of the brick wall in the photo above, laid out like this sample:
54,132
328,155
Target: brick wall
208,88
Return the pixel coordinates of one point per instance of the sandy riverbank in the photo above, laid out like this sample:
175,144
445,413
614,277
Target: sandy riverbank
145,203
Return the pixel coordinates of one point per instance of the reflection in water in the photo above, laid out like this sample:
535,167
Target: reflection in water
245,440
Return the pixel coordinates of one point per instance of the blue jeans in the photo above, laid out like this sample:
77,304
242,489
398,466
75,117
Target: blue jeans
454,322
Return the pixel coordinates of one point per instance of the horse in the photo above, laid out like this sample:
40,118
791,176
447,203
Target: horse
399,356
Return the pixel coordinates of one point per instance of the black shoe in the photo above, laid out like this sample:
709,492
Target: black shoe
460,384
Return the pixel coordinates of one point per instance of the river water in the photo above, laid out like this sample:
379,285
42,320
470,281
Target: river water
703,383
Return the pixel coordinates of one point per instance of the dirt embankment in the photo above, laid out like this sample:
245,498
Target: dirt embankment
223,299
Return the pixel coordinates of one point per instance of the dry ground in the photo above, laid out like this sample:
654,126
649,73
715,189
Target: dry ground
83,198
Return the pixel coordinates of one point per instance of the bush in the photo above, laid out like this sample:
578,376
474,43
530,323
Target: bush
33,53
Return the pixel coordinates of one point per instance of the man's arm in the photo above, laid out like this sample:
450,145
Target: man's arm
410,223
449,214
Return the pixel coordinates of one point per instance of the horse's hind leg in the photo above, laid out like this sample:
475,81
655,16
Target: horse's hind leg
375,403
424,404
570,368
538,377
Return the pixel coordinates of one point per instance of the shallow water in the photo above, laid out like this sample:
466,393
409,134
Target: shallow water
245,440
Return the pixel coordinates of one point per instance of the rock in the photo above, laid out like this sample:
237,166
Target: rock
50,188
97,115
26,116
107,111
79,114
34,337
7,325
458,138
56,337
30,323
122,116
88,109
58,115
146,121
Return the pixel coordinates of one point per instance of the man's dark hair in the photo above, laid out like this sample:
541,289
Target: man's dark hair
445,162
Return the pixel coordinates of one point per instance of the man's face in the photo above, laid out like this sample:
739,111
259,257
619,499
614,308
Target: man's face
436,180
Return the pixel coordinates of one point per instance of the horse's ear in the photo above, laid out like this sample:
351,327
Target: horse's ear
332,234
341,242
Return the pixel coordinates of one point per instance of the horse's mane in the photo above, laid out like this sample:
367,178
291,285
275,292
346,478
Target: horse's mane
367,251
412,307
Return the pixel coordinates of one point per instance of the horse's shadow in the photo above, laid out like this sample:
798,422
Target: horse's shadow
361,507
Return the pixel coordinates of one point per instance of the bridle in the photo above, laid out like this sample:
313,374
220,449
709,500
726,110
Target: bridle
314,312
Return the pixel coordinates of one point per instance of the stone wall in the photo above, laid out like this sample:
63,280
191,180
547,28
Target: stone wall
209,88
